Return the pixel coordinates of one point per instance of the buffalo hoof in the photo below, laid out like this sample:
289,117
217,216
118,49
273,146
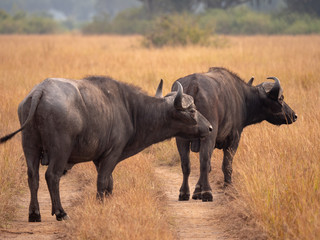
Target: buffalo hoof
184,196
227,184
196,196
197,193
207,196
34,217
62,216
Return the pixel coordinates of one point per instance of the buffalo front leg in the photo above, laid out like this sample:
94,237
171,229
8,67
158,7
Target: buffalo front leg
105,166
184,152
104,185
203,184
228,154
227,164
108,184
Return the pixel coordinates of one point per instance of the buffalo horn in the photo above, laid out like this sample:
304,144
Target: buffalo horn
274,92
178,99
251,81
159,89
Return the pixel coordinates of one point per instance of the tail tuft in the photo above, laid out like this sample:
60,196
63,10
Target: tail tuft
9,136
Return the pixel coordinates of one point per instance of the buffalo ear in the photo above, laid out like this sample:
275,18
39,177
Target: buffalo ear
251,81
182,101
275,90
159,90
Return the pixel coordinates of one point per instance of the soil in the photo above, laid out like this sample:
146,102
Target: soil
191,219
49,227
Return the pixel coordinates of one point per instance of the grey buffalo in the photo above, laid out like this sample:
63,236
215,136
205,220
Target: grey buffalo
230,105
65,122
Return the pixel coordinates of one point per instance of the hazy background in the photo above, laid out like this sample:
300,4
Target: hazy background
148,17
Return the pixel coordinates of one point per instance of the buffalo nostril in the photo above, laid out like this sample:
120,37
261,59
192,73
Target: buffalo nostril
210,128
295,117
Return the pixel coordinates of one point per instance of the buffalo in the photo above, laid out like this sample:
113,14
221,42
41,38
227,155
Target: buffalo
65,122
230,105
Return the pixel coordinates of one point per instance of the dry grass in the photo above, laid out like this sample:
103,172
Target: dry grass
276,169
134,211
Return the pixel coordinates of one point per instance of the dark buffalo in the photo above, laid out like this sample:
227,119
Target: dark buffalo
229,104
64,122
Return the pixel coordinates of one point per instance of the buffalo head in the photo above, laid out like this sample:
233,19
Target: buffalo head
183,114
274,107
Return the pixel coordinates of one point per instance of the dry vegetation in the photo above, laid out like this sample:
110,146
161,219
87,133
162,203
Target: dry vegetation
276,169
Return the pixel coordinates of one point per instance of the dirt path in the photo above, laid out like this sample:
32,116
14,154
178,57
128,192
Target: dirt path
49,228
193,219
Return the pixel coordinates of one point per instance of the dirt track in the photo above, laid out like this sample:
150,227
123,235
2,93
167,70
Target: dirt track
49,228
192,219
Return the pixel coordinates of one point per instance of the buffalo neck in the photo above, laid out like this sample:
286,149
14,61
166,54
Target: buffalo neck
253,106
150,124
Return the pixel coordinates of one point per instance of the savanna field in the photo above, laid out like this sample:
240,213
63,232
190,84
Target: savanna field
276,169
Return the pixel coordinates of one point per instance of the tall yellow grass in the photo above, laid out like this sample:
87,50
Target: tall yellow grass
136,209
276,169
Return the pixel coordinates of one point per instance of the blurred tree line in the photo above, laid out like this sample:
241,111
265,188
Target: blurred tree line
161,21
22,23
189,18
159,6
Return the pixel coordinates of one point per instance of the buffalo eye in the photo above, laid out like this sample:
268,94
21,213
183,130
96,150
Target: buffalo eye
193,112
281,99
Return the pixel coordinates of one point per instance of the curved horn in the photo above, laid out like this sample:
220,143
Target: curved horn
178,100
274,92
159,89
251,81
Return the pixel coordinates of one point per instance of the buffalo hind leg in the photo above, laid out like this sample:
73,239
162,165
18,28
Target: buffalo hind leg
32,152
184,152
58,160
33,162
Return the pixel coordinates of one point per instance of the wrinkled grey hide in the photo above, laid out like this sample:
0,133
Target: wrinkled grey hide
230,105
64,122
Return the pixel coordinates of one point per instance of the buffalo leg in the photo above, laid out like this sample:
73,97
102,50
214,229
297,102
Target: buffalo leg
105,167
227,164
109,183
206,150
33,161
198,188
32,154
197,191
59,154
184,152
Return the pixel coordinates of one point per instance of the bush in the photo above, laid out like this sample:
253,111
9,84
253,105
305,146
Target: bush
21,23
301,24
174,30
